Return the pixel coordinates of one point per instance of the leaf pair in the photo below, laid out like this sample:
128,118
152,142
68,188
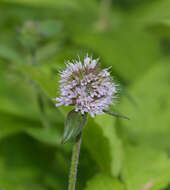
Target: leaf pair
76,121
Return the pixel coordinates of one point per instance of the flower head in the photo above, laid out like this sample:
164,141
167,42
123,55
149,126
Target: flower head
85,86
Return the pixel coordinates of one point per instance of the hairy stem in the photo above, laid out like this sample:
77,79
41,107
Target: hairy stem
74,164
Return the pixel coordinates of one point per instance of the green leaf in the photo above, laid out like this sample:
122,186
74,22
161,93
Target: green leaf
49,136
121,53
50,28
150,116
103,144
51,3
145,168
42,78
11,124
22,100
9,54
107,124
153,12
97,145
75,122
104,182
24,170
161,30
116,115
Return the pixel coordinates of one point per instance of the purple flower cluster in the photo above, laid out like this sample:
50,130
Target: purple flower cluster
86,87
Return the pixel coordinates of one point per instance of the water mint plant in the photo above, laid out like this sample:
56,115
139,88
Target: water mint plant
91,91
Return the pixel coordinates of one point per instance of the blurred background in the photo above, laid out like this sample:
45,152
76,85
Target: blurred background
36,38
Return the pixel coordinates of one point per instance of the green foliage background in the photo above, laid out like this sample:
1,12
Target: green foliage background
132,36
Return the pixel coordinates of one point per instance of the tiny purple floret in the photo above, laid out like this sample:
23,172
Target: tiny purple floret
85,86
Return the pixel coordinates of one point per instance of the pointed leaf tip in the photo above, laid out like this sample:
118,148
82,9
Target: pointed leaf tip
75,122
117,115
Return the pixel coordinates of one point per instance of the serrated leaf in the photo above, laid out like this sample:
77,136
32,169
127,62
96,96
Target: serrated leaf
145,168
75,122
104,182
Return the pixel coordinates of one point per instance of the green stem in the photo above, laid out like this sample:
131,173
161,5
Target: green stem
40,100
41,104
104,22
34,57
74,164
